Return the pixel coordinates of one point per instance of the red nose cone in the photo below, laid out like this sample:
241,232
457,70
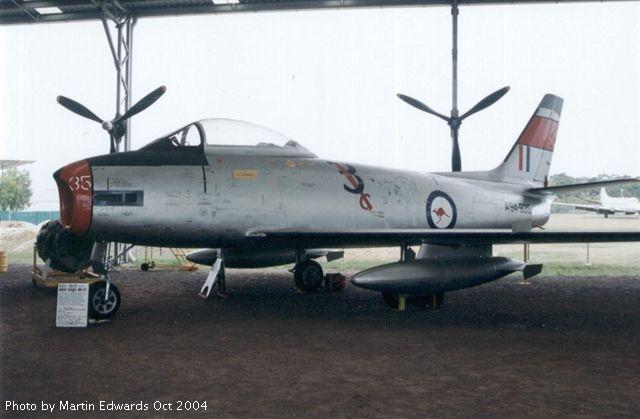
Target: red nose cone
75,186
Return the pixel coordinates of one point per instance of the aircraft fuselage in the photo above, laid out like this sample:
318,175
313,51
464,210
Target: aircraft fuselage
217,201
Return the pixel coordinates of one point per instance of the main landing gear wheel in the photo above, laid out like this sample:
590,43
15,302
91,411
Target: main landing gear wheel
148,265
99,306
308,275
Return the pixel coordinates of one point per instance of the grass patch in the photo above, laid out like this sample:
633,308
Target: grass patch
580,269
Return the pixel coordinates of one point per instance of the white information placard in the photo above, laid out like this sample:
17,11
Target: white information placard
73,305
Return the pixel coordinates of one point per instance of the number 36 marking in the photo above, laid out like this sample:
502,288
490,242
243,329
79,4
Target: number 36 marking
80,182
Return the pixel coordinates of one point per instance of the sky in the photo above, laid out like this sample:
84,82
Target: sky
328,79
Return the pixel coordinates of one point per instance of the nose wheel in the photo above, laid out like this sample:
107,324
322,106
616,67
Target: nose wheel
308,275
103,303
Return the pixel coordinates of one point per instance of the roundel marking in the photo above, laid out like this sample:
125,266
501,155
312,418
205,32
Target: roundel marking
441,210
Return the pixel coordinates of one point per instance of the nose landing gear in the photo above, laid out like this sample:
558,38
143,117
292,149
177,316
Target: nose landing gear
104,296
103,303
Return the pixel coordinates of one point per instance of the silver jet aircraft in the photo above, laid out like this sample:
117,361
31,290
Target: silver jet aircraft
609,205
253,198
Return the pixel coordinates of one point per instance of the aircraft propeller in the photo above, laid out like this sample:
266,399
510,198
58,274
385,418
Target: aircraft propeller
116,127
455,121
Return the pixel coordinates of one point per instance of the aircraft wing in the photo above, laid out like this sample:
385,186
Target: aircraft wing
306,238
595,208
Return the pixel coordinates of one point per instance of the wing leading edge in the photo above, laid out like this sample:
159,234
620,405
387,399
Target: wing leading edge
306,238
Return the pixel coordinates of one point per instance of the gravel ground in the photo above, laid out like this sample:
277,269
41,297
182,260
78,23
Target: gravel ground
557,347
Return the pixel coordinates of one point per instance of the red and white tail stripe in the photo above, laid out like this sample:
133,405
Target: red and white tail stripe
530,158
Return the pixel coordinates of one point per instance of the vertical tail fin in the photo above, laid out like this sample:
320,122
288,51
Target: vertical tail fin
603,195
530,157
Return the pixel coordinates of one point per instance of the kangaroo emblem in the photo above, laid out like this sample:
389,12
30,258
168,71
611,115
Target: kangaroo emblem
440,212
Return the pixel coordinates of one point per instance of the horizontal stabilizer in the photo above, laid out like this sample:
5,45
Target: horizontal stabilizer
580,186
583,207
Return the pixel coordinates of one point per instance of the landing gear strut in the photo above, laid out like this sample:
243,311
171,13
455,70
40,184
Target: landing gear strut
216,277
308,275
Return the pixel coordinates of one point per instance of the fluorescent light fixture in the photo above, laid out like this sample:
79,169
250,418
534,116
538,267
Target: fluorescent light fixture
218,2
48,10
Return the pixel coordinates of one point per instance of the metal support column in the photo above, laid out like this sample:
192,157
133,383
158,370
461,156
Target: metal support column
454,121
130,23
121,49
454,58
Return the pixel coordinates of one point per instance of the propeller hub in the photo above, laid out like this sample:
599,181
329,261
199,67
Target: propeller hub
107,125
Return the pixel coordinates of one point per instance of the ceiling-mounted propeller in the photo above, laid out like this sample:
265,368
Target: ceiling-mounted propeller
455,121
116,127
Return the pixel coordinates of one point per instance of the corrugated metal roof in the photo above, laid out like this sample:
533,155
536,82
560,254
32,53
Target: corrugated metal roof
35,11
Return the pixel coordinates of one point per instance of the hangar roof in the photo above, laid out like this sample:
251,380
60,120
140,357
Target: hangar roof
36,11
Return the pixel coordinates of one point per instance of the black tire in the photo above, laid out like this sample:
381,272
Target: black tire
144,267
65,251
308,276
71,252
391,299
46,237
98,308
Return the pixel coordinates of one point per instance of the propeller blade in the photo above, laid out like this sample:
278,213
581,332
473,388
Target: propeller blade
486,102
419,105
456,160
77,108
142,104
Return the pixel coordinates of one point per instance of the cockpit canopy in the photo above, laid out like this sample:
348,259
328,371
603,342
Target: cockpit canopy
228,136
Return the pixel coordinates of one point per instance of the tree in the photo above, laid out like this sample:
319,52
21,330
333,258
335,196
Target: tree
15,190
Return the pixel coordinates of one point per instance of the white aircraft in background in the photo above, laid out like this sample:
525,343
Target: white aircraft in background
609,205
